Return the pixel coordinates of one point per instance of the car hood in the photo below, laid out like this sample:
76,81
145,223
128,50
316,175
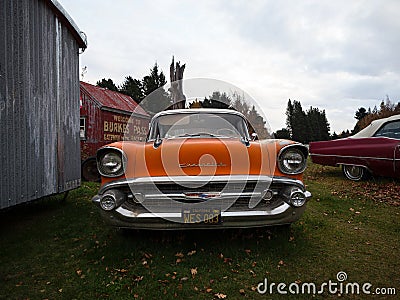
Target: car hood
201,156
197,157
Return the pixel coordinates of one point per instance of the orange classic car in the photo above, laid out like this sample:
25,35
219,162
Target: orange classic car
199,168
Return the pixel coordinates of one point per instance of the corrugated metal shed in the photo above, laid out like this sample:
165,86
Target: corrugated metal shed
39,100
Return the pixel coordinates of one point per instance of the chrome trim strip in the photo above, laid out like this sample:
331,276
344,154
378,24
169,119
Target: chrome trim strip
198,111
184,197
199,179
186,180
350,156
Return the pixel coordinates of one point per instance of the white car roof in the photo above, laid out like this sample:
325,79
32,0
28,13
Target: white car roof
198,110
371,129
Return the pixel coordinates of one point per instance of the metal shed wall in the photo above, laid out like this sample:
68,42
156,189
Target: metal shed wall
39,102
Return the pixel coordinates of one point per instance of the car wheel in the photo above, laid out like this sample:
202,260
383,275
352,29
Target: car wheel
355,173
89,170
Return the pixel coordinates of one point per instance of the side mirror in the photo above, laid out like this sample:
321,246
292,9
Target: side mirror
245,141
157,142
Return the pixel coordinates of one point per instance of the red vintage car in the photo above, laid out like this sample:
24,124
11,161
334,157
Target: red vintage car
374,150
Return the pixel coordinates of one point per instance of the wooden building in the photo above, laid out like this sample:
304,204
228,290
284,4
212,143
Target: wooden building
106,117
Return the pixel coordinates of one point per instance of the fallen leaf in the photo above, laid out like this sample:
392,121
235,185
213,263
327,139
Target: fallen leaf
208,290
248,251
193,272
220,296
191,253
165,281
242,292
180,255
138,278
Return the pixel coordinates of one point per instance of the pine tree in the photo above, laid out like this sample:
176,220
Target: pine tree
289,118
153,81
108,84
300,126
133,88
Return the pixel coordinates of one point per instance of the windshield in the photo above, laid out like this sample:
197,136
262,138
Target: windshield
198,125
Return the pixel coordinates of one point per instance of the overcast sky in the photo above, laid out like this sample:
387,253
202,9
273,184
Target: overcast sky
334,55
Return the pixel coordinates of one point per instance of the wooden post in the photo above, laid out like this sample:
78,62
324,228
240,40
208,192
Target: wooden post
176,89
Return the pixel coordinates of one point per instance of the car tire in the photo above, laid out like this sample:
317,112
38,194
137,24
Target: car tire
354,173
89,170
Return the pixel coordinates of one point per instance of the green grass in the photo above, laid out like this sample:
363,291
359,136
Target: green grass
52,249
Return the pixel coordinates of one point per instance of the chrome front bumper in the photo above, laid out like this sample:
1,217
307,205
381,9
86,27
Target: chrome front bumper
276,213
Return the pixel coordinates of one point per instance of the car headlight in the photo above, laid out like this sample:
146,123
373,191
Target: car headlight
110,162
292,160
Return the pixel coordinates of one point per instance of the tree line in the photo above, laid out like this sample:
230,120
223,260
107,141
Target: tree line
236,101
304,126
150,86
366,116
312,125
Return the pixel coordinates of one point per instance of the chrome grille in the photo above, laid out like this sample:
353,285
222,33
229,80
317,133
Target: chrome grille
164,197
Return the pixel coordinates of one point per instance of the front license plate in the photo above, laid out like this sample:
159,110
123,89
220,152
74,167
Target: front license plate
209,216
